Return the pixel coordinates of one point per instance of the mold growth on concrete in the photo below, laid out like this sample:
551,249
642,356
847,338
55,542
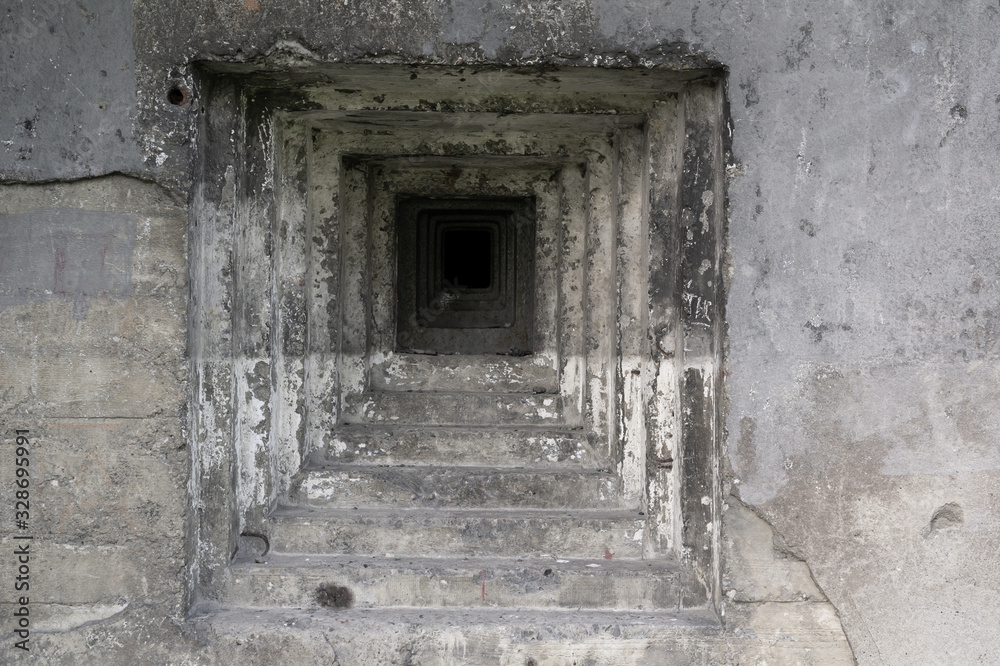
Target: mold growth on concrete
334,596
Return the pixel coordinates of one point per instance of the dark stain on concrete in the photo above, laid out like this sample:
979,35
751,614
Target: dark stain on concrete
751,97
817,331
801,49
334,596
696,484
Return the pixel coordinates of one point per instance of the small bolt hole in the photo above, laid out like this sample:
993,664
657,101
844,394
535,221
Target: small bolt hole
178,96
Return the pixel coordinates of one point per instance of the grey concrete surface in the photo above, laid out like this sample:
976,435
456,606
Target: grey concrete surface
68,82
862,371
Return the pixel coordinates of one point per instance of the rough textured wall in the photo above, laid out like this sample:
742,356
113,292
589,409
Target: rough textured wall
862,412
93,295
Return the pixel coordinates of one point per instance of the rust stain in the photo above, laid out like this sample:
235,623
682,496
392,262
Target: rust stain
252,5
608,554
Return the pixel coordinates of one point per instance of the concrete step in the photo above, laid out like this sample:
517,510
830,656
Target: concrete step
566,534
458,637
359,485
538,447
454,409
348,581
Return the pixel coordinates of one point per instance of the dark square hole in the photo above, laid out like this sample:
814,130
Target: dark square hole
467,258
465,274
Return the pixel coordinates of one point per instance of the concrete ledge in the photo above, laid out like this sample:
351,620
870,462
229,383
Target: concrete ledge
465,533
377,582
452,637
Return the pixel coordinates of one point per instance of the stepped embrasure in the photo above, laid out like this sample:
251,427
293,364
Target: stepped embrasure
554,534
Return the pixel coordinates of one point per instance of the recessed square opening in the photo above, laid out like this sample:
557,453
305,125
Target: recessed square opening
463,262
465,274
632,153
466,257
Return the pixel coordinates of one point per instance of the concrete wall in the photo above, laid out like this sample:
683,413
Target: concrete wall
862,411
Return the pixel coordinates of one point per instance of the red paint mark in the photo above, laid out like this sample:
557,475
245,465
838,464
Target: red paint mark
483,574
252,5
608,554
60,267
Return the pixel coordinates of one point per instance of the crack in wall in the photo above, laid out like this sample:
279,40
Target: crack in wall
761,568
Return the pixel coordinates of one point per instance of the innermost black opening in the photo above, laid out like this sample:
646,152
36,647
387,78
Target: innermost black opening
467,258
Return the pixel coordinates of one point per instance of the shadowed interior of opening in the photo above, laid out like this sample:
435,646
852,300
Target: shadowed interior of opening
467,258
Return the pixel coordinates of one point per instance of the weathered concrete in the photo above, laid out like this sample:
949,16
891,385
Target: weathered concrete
93,283
346,156
69,81
861,344
376,582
